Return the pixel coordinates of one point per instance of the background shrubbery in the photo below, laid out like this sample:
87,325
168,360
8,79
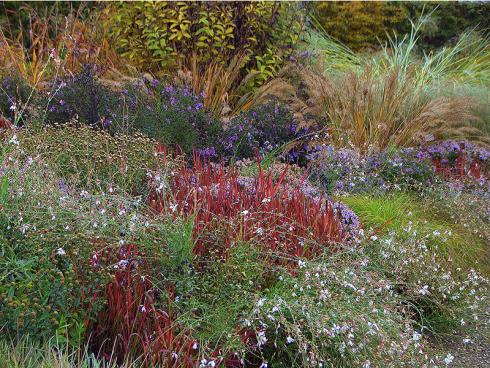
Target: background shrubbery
369,23
155,36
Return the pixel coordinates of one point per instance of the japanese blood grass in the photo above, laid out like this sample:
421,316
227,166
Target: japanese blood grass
285,222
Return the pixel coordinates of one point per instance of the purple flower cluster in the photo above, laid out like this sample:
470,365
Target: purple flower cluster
348,218
344,170
174,115
449,151
207,152
262,130
83,96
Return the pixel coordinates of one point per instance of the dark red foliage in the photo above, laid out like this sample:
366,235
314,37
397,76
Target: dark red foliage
130,323
460,168
227,209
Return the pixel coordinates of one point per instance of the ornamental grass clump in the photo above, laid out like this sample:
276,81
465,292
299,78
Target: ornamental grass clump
137,319
284,222
368,112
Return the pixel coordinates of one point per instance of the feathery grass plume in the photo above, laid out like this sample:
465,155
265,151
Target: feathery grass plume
367,111
444,79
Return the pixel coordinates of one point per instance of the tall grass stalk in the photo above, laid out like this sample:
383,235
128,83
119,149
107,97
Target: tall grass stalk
465,62
28,353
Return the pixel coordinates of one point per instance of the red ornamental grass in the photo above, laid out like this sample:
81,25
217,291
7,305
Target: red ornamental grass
130,324
283,219
461,168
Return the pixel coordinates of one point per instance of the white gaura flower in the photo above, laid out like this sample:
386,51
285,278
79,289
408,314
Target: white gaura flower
424,290
60,252
449,358
289,340
261,338
14,140
261,302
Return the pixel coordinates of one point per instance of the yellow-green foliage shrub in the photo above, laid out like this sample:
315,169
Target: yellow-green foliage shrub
158,36
359,24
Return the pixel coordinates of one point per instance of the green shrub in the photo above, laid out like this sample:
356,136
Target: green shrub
169,114
361,25
159,35
447,21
